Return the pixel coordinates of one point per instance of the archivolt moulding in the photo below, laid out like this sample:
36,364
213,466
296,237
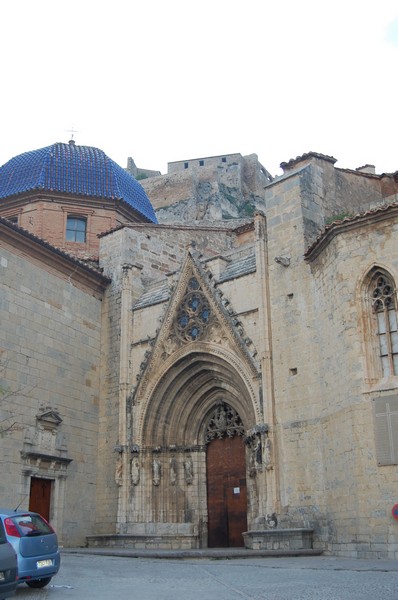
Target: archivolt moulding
143,400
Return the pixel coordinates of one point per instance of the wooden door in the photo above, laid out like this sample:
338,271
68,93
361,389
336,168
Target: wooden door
226,492
40,496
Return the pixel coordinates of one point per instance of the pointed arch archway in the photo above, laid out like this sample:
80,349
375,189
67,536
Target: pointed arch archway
186,393
172,431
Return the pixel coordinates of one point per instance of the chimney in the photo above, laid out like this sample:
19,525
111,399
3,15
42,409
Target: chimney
371,169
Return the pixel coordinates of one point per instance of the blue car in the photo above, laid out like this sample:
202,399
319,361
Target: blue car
8,566
35,544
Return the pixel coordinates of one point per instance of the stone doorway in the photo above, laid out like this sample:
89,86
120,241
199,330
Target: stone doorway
40,496
226,492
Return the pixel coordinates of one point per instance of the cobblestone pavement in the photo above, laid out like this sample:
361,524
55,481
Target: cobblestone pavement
87,577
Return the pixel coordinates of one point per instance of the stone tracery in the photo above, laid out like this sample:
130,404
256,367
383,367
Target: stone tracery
224,421
193,315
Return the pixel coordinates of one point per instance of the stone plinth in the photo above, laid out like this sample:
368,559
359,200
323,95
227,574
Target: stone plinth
278,539
143,542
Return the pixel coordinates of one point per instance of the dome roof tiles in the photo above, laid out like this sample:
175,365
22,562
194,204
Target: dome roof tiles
73,169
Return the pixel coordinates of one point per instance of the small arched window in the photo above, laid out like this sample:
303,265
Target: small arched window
383,296
76,228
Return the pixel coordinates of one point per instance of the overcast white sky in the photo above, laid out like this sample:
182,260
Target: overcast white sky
165,80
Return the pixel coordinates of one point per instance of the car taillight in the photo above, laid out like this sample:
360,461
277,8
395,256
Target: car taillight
11,528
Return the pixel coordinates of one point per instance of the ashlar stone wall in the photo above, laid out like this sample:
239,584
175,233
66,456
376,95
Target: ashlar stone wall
360,492
328,473
49,366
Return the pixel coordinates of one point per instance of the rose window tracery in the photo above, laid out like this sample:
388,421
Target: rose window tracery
193,314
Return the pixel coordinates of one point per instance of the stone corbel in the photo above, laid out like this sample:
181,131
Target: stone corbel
283,260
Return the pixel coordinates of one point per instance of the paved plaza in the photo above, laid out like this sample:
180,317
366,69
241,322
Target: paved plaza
86,576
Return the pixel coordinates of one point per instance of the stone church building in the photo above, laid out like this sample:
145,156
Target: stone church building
208,359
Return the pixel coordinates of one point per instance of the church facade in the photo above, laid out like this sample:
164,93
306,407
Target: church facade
201,383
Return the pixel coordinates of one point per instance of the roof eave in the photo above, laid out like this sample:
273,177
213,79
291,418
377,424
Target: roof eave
62,262
370,217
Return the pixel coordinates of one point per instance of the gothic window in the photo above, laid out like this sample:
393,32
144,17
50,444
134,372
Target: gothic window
193,314
76,229
384,309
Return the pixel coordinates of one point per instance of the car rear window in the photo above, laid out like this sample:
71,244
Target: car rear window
30,524
3,538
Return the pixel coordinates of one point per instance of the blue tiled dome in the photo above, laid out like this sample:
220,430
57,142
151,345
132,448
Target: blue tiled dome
72,169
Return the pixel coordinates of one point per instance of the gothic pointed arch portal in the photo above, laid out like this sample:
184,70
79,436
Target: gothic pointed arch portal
226,478
199,404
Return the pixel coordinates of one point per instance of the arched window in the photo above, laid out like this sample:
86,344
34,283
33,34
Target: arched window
76,229
383,297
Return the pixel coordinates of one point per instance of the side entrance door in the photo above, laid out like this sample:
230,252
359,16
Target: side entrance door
40,496
226,492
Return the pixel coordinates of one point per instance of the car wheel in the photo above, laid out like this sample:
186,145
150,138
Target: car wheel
39,583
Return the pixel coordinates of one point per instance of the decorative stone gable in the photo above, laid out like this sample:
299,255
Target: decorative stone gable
193,316
196,319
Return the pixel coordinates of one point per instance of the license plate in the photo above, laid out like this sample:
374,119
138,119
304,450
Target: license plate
44,563
2,576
